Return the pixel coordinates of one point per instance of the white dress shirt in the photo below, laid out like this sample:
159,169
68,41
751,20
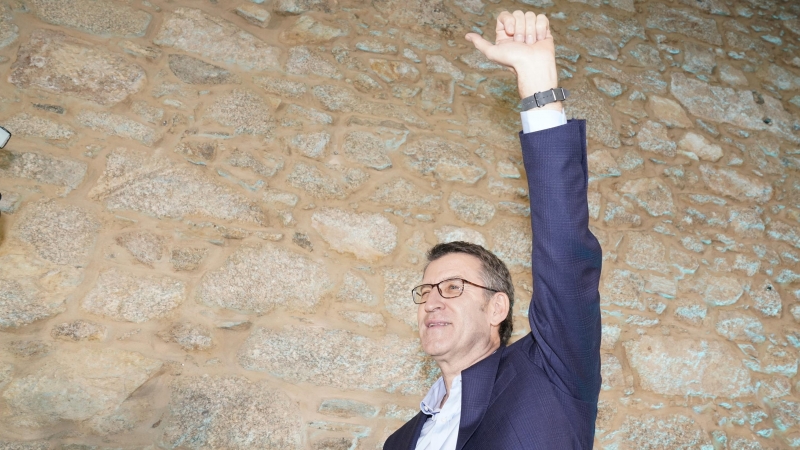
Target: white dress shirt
440,431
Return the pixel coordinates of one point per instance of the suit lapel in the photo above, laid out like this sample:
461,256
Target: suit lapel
416,428
477,386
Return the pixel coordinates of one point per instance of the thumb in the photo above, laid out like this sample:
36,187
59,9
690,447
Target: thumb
479,42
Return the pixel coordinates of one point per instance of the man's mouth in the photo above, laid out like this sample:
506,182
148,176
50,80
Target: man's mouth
436,324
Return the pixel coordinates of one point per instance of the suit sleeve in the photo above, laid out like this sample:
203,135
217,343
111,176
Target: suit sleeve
566,260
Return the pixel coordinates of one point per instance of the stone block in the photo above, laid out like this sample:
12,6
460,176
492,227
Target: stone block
347,408
304,61
146,247
118,125
391,71
672,20
24,124
42,168
446,160
256,15
651,194
370,319
102,17
322,185
195,71
653,137
355,289
307,30
61,64
623,288
588,104
449,233
471,209
688,367
669,112
512,242
339,359
214,38
130,177
368,236
79,330
258,278
62,234
700,147
732,184
740,326
129,297
243,110
9,31
651,432
402,193
230,412
766,299
646,252
76,386
190,336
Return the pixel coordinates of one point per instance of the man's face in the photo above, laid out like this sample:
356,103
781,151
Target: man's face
454,328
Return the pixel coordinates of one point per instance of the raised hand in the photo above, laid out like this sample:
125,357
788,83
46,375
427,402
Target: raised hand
525,45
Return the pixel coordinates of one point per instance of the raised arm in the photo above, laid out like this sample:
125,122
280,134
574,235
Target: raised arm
565,310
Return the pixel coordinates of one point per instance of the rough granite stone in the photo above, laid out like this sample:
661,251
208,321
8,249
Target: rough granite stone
339,359
190,336
449,233
254,14
620,29
471,209
776,360
76,385
370,319
61,64
24,124
740,326
512,242
130,297
675,432
589,105
653,137
130,179
680,21
281,87
739,108
79,330
256,279
397,300
402,193
207,412
668,112
368,236
667,365
243,110
732,184
42,168
446,160
355,289
346,408
623,288
646,252
29,348
305,61
319,184
62,234
214,38
146,247
699,146
651,194
597,45
766,299
118,125
721,291
311,145
306,30
187,259
369,149
417,15
698,58
340,99
195,71
391,71
644,80
602,164
102,17
9,31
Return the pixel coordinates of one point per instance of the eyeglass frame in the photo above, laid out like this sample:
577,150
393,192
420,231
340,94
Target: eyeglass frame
438,288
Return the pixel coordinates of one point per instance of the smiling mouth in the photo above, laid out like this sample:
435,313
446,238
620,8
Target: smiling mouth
438,324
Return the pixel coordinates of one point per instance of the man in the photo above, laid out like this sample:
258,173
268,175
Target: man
541,392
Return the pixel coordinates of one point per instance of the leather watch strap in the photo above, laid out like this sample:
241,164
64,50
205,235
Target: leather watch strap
540,99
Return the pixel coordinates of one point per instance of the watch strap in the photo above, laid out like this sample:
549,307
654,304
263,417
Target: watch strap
540,99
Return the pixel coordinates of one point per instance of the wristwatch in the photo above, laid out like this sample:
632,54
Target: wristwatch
540,99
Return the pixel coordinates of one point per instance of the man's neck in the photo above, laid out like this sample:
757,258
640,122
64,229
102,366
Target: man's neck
451,370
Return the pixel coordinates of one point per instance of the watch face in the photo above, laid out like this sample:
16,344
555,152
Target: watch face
4,137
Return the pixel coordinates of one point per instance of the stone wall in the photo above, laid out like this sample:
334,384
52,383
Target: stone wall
213,213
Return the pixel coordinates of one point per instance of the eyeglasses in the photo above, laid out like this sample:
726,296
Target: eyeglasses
451,288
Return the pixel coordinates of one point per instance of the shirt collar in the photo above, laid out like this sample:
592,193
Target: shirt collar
431,404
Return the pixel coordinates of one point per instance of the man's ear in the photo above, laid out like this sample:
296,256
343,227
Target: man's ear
499,305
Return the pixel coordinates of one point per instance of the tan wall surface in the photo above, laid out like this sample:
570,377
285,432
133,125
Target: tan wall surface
213,213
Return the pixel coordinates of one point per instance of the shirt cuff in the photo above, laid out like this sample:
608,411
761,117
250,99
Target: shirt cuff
538,120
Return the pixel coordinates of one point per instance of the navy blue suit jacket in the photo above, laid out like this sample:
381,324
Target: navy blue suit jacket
541,392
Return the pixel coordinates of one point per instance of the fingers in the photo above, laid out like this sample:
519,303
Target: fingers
542,27
530,27
505,25
479,42
519,26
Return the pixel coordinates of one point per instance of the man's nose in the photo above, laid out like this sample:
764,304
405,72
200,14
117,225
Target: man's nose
435,301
